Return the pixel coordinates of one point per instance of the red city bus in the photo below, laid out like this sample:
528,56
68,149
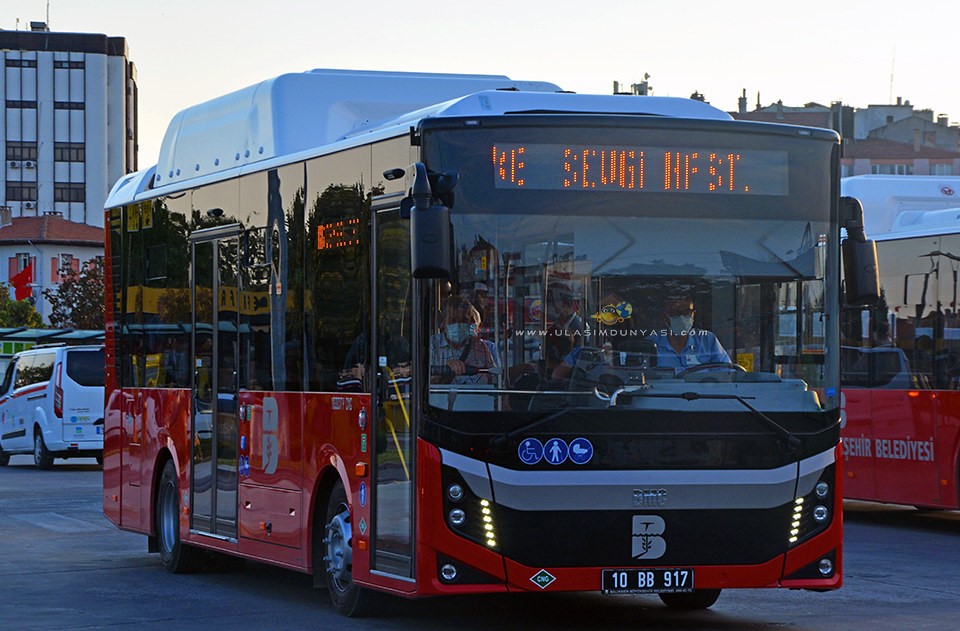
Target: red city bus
408,333
901,357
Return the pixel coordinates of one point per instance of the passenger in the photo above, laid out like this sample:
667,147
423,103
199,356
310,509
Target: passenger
566,330
176,362
458,355
615,331
681,346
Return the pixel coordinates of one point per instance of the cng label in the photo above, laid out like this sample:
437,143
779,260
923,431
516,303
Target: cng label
543,578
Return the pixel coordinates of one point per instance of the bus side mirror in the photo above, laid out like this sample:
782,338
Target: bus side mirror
430,238
430,242
860,270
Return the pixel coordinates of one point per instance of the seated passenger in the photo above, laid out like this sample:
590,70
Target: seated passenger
458,355
566,330
681,346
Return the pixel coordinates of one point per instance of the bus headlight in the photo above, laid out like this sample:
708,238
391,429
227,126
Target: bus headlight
448,572
810,514
457,517
826,567
820,514
468,515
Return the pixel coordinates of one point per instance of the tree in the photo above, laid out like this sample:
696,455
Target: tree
79,302
17,312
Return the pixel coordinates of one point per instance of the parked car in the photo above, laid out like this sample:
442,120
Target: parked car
51,404
877,367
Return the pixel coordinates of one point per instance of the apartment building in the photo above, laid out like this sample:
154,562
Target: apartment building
68,131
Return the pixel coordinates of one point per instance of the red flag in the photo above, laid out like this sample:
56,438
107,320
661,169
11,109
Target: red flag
21,282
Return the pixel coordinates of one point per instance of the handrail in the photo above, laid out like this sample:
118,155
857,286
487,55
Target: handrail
406,417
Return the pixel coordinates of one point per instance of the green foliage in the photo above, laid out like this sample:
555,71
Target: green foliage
79,302
15,313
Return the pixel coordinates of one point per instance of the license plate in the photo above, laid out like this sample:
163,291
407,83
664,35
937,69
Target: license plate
656,580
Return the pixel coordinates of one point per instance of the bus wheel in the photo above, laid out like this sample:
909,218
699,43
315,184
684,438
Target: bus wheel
4,457
697,599
347,598
42,457
177,557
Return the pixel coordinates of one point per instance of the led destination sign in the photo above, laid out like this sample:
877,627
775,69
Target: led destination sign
640,169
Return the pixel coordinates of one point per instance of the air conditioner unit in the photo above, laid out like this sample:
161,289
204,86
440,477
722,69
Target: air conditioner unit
29,205
14,164
29,164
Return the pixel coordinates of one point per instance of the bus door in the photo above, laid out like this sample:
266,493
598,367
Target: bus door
393,470
213,483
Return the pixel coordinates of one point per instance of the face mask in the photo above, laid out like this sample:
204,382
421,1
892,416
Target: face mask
460,333
681,324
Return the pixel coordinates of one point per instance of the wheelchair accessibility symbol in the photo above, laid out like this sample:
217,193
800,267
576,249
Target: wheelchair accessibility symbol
530,451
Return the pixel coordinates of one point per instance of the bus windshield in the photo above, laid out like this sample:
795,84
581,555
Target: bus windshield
624,268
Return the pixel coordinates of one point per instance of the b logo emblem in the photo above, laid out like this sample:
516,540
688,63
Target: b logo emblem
648,542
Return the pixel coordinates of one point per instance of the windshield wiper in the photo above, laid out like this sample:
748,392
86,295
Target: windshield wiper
792,441
501,441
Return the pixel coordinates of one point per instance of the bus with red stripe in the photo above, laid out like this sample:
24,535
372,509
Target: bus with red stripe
399,331
901,357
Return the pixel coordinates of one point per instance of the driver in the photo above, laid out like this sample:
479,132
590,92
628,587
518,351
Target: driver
681,346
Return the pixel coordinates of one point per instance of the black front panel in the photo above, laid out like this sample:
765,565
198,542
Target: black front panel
639,537
637,440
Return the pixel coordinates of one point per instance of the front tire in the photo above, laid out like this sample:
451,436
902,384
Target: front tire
336,547
177,557
42,458
697,599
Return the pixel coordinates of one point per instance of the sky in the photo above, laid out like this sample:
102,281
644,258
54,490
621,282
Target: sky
858,52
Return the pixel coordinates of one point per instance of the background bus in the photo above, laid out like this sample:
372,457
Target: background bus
307,252
901,358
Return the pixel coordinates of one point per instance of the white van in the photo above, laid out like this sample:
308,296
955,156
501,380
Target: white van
51,404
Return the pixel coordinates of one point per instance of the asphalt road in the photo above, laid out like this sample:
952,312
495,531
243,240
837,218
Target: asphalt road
64,566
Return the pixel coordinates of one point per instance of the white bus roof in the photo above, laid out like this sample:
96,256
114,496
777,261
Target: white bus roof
899,206
319,111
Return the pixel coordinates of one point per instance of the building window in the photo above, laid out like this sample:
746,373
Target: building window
20,150
22,261
68,105
63,266
69,192
891,169
941,169
24,105
21,63
69,152
68,64
846,170
21,192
